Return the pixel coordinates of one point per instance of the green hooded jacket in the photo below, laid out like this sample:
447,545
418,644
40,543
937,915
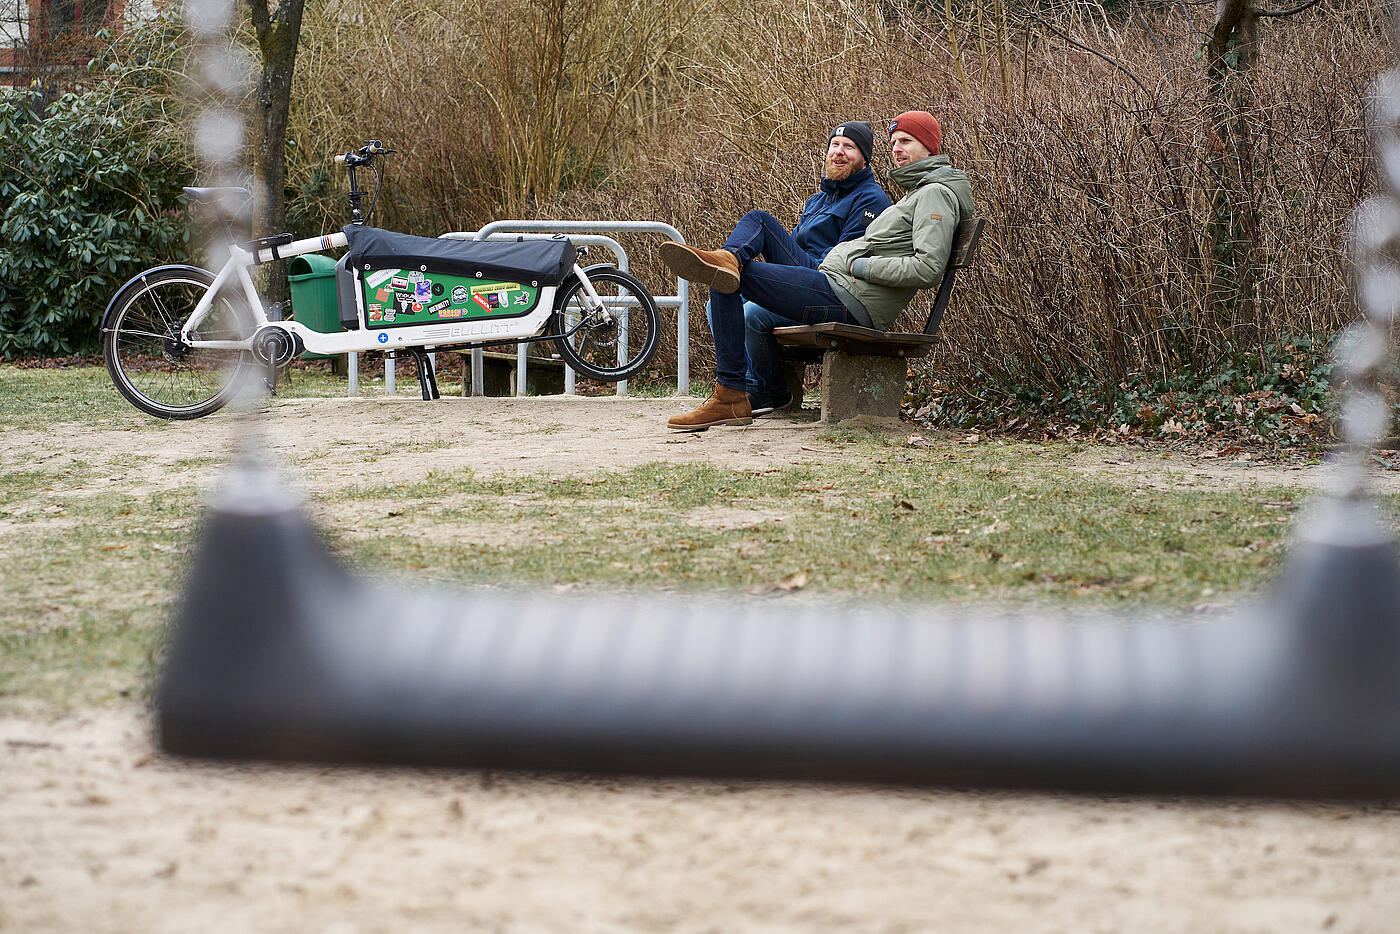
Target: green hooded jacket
904,249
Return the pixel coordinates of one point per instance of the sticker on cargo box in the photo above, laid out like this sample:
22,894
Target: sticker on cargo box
482,302
375,279
399,284
384,295
460,296
497,287
434,309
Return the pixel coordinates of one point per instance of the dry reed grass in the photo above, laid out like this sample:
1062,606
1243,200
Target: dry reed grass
1093,169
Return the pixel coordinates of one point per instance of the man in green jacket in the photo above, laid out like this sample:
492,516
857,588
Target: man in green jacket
866,281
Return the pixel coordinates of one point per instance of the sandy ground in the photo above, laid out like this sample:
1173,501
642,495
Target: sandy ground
101,833
393,438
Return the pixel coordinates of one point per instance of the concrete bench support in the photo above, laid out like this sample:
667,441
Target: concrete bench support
863,370
861,385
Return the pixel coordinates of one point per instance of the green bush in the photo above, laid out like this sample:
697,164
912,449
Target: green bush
89,195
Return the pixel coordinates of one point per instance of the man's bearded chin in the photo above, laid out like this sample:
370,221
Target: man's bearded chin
839,173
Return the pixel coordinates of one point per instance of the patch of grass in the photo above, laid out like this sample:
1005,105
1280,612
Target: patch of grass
38,398
92,577
925,525
197,463
17,485
311,382
86,593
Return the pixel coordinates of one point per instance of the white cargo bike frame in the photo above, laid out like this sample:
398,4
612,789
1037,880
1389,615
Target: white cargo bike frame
432,334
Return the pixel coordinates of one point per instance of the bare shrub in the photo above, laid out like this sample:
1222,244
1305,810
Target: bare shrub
1085,132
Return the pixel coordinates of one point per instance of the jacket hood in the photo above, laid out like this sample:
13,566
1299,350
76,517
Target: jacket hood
847,184
936,169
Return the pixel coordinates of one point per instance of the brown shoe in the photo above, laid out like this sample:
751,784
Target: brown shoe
724,407
719,269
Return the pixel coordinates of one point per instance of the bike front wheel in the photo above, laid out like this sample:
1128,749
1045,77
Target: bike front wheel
149,363
611,342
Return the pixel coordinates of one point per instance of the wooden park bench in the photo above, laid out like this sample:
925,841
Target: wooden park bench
863,369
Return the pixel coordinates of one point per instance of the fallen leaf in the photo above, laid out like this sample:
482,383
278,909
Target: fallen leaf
794,581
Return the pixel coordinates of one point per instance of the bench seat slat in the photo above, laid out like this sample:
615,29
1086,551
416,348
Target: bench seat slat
852,338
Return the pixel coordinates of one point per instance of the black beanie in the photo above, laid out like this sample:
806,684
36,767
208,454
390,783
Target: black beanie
858,132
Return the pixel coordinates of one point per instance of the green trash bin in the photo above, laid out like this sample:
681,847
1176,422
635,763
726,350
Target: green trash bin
312,279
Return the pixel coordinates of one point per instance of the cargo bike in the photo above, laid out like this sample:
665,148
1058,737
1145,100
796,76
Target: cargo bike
180,341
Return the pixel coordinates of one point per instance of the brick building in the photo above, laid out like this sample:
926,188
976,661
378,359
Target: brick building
38,36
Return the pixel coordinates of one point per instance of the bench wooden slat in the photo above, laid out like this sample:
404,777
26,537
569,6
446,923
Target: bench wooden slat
967,239
852,338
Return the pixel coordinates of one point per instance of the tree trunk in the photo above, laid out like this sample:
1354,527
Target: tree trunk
277,31
1232,225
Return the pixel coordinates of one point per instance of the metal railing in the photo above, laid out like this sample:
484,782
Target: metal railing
591,233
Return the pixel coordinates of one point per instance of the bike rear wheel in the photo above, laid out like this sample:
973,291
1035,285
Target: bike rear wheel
614,342
152,367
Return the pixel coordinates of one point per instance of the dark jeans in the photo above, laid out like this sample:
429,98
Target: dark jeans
758,233
784,290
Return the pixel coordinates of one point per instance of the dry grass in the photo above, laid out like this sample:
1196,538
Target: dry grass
1094,169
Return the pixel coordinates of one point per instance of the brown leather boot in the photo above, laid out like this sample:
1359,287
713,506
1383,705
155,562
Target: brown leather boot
724,407
719,269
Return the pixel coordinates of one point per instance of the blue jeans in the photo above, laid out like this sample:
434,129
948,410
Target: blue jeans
758,233
785,290
786,295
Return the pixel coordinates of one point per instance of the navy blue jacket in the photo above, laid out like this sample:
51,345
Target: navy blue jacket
839,212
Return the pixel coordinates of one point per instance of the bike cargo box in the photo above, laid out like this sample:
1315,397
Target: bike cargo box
408,280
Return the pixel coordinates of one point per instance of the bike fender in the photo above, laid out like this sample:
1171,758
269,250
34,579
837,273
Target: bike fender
136,279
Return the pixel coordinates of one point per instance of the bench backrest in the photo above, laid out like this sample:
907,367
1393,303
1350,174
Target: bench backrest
967,238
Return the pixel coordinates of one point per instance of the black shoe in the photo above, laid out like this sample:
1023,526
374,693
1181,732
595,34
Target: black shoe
766,407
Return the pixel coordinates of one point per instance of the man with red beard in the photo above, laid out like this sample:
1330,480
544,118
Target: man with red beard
849,199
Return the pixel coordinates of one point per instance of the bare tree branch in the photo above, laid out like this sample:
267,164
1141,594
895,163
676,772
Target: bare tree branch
1156,105
1296,9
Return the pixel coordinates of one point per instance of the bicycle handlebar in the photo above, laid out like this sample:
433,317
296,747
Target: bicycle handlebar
364,155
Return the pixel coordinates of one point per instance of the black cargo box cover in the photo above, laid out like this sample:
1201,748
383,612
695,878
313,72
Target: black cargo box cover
544,261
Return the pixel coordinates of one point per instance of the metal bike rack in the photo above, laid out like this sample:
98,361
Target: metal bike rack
591,233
